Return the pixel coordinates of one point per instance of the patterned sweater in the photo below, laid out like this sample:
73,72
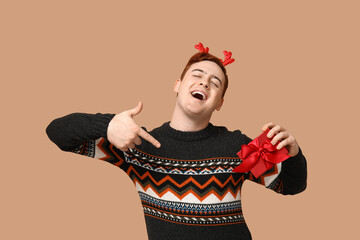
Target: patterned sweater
186,187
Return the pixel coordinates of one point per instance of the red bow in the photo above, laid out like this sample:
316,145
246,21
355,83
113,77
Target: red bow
260,155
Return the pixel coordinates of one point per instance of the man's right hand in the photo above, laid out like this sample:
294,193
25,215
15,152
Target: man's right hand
124,133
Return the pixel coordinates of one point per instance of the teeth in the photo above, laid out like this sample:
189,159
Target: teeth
198,92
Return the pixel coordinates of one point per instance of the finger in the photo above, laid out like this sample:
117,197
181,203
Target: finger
131,145
279,136
124,149
267,125
142,133
136,110
137,140
283,143
273,131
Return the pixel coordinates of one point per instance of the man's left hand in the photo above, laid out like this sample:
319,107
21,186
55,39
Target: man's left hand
281,134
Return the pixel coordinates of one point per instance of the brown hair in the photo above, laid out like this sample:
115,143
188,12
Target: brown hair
201,56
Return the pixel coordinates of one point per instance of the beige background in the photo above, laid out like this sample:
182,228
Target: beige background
297,64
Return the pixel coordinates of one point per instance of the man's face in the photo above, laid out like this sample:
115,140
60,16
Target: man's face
199,92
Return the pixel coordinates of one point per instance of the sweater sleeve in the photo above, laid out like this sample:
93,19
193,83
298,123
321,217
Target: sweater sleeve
85,134
287,177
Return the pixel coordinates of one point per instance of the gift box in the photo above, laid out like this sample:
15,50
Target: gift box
260,155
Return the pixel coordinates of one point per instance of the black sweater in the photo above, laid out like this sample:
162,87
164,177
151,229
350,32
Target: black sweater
187,187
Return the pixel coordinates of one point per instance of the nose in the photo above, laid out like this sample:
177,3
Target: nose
205,84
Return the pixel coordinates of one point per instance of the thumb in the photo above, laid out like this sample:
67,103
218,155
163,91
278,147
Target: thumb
136,110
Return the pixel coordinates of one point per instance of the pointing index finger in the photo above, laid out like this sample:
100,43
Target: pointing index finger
142,133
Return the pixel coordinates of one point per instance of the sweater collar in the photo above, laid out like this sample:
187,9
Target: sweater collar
167,130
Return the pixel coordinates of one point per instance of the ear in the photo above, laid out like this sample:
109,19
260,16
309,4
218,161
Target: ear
177,85
221,103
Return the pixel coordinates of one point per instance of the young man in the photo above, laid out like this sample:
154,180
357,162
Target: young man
182,170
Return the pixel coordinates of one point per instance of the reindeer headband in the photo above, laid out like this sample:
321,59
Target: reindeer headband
227,54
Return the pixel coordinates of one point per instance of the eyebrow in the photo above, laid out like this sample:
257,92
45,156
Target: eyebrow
200,70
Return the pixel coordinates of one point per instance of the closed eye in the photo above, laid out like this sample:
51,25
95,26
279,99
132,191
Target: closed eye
197,76
215,84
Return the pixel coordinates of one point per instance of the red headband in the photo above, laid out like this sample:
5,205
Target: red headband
227,54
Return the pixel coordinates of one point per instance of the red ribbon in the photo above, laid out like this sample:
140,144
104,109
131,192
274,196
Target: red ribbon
260,155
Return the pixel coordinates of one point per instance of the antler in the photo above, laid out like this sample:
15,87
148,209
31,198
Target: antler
228,58
201,48
227,54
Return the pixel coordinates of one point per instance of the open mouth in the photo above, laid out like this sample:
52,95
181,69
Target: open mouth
199,95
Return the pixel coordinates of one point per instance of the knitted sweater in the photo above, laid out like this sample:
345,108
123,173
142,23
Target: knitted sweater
186,187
